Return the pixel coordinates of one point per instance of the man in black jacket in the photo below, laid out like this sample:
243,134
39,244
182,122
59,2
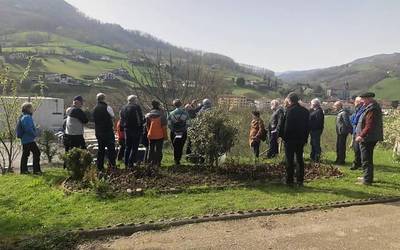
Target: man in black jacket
132,121
273,128
317,119
343,129
294,132
103,116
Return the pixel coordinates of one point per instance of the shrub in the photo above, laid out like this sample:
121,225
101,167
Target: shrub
392,132
48,144
212,134
77,161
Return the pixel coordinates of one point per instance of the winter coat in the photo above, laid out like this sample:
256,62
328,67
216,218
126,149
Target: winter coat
156,125
317,119
370,124
295,125
103,121
343,124
276,119
75,120
178,120
132,118
257,128
119,131
28,129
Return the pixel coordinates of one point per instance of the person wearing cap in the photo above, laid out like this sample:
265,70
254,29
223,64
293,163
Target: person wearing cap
178,124
343,129
355,117
132,121
74,125
103,116
369,132
317,121
294,132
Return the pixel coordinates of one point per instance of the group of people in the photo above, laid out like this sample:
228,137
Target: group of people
295,124
133,128
292,122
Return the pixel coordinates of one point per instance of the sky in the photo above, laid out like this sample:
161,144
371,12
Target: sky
281,35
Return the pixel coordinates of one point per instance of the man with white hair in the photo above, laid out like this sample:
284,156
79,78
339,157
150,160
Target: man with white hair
343,129
103,116
132,121
317,119
355,117
273,128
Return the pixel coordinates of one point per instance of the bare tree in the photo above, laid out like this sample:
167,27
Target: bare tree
168,79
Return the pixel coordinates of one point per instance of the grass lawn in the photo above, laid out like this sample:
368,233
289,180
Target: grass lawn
32,205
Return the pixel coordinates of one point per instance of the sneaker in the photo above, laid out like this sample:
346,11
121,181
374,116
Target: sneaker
25,172
360,178
38,173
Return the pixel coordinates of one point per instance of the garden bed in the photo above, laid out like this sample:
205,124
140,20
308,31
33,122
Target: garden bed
188,177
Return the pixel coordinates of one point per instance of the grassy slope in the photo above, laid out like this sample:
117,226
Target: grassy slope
31,205
388,89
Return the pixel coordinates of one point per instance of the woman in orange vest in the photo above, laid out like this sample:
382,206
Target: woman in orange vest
156,124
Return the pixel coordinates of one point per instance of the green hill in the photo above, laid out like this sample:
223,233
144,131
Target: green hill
361,74
388,89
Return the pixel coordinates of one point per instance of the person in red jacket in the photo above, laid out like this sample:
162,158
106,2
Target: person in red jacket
121,140
156,124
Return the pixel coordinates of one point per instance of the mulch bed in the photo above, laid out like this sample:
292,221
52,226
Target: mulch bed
184,177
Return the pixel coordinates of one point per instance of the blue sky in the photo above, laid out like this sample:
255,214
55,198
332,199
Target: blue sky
280,35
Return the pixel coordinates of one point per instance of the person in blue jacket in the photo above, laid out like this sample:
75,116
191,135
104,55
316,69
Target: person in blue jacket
26,131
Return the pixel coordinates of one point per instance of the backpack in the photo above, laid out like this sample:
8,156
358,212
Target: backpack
179,125
19,129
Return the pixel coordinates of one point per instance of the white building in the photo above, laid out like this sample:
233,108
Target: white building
49,112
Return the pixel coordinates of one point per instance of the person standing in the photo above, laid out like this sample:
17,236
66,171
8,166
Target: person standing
103,116
294,132
156,125
273,128
317,121
26,131
343,129
257,132
74,125
206,105
132,122
359,110
369,133
178,124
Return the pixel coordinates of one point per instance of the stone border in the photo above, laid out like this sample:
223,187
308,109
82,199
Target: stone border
129,229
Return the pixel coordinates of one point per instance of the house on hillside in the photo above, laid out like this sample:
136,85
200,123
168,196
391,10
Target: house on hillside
120,72
59,79
342,94
233,101
105,58
18,56
106,76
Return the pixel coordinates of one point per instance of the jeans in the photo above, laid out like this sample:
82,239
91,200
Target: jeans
315,142
178,144
273,149
255,145
367,160
292,149
341,149
121,150
132,141
106,141
357,153
26,151
155,152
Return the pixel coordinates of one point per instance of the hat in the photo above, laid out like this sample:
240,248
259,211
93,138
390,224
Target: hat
367,95
78,98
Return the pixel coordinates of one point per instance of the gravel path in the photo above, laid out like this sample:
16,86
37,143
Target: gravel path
358,227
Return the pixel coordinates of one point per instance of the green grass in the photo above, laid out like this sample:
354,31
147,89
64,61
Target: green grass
32,205
388,89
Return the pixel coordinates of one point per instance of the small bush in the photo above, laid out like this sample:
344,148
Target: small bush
47,144
78,161
212,134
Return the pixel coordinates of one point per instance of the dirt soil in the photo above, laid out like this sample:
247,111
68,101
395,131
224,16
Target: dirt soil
358,227
186,176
